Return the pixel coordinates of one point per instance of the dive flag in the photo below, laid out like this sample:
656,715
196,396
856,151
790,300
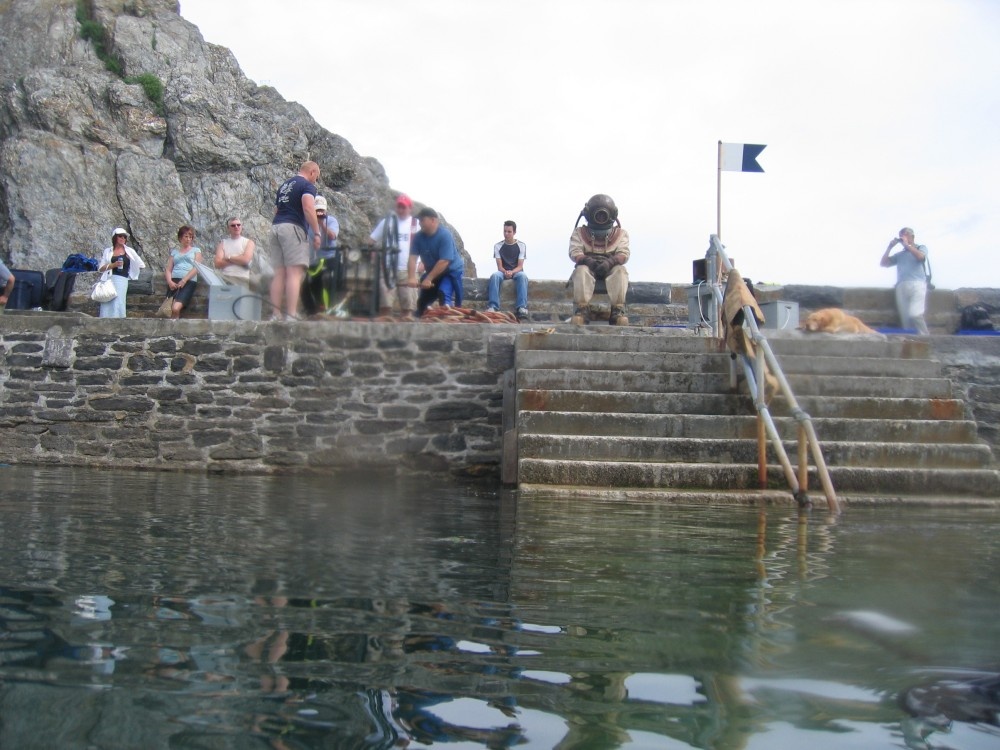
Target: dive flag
740,157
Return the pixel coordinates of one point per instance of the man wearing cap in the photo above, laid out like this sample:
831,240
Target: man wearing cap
434,246
294,215
393,234
7,280
321,278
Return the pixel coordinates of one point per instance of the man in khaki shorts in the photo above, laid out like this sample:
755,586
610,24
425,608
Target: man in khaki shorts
294,215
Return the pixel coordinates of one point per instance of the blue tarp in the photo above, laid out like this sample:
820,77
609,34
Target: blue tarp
78,263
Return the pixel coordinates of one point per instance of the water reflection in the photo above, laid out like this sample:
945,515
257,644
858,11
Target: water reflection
158,610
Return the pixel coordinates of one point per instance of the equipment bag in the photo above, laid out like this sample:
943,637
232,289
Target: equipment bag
29,290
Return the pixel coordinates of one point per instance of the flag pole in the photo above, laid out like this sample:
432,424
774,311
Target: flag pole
718,195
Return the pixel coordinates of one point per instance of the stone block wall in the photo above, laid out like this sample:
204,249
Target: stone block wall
251,397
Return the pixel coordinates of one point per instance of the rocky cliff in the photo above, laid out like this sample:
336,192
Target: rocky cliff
118,113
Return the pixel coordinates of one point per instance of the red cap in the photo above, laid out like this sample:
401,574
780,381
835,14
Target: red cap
404,200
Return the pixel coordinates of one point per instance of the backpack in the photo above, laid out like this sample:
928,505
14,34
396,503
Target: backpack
975,318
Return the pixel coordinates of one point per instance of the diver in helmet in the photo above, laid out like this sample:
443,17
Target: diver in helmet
600,251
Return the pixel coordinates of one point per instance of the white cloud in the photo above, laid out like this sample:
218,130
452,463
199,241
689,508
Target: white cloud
875,114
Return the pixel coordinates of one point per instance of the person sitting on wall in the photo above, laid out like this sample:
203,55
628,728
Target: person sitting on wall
234,254
600,250
509,255
181,273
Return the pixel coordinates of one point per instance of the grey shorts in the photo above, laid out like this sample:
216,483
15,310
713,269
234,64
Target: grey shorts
289,246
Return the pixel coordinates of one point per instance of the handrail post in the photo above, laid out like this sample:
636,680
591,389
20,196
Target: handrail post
760,398
803,459
761,452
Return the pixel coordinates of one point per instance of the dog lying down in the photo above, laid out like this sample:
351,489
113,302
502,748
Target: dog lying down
835,320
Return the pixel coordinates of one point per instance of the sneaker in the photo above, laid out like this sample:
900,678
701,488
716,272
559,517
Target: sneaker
522,313
617,317
492,308
581,317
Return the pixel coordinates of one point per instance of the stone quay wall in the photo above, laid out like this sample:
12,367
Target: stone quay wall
203,395
316,396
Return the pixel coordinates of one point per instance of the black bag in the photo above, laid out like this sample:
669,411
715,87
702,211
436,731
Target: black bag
143,284
975,318
58,293
28,292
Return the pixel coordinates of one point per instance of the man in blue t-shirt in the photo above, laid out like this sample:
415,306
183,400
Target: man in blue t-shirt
435,247
294,216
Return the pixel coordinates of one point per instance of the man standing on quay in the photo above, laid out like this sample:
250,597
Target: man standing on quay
435,247
911,279
294,215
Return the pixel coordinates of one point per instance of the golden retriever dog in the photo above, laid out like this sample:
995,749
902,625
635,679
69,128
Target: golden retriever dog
835,320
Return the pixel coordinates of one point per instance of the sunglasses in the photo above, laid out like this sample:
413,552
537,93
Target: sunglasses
235,225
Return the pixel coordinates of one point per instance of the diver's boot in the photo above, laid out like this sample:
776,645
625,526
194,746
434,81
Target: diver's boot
581,317
618,317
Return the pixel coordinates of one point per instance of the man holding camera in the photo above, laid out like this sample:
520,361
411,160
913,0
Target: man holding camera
600,251
911,279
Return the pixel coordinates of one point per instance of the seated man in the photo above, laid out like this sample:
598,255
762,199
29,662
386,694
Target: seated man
600,251
509,256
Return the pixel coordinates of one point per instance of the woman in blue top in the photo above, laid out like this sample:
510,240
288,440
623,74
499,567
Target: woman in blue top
182,276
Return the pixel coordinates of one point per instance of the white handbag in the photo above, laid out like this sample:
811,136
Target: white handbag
104,290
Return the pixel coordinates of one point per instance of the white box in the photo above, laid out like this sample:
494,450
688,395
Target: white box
780,315
232,302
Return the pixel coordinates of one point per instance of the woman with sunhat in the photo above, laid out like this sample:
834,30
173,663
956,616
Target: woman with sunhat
123,263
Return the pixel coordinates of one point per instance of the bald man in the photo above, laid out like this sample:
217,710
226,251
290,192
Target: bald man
294,216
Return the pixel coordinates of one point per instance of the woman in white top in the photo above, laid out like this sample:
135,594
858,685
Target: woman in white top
123,263
234,254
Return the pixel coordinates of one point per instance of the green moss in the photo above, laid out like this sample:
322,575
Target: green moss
94,32
153,87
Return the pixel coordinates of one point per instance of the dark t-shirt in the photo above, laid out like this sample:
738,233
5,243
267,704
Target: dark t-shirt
289,201
123,271
509,255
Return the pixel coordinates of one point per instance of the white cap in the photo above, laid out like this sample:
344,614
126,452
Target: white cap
320,203
119,230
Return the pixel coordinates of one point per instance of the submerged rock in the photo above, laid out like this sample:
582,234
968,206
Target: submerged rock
968,697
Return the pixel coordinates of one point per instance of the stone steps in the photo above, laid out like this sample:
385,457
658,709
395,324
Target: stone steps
667,476
634,409
885,454
706,426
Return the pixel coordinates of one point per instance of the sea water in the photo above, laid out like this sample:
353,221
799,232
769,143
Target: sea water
154,610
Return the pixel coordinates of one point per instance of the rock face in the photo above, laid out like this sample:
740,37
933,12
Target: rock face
84,149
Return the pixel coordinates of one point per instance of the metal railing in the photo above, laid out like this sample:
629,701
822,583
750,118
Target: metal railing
753,370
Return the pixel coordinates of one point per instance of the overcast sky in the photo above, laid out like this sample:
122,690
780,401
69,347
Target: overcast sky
876,114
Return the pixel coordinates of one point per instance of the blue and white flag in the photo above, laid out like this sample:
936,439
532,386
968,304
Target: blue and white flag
740,157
